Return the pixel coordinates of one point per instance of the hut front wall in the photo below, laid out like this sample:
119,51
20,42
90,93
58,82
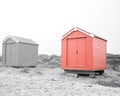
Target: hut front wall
10,54
64,53
3,54
28,54
88,54
75,34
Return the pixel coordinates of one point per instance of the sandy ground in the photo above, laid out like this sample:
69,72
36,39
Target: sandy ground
50,82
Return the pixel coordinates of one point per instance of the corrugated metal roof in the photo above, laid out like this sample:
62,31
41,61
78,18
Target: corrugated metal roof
20,39
83,31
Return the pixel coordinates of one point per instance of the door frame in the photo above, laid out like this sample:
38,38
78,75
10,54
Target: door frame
76,37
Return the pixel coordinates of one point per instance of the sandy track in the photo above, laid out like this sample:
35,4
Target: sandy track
50,82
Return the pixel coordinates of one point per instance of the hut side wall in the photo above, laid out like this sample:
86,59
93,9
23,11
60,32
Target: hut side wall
99,53
28,54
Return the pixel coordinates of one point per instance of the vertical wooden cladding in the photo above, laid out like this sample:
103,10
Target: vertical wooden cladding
83,51
18,51
89,49
11,54
99,53
31,57
71,52
74,52
63,53
80,52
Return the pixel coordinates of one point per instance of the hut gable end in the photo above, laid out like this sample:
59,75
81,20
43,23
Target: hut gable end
10,41
19,40
76,34
77,31
80,32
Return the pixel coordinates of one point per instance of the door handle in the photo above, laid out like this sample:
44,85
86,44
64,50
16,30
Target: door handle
77,52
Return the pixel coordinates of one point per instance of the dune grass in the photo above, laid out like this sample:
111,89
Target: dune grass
112,75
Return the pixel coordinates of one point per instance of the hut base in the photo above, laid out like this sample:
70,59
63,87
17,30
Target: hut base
84,72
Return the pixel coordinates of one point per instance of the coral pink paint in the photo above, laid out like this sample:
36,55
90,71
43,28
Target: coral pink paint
82,50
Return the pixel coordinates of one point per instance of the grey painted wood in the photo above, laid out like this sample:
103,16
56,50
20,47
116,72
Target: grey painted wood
17,53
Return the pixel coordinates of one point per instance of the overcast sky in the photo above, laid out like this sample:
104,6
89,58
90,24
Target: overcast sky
45,21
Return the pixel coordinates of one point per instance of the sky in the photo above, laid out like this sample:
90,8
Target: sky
46,21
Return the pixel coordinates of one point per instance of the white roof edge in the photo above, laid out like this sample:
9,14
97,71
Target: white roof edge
5,39
81,30
92,35
18,40
14,39
10,37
